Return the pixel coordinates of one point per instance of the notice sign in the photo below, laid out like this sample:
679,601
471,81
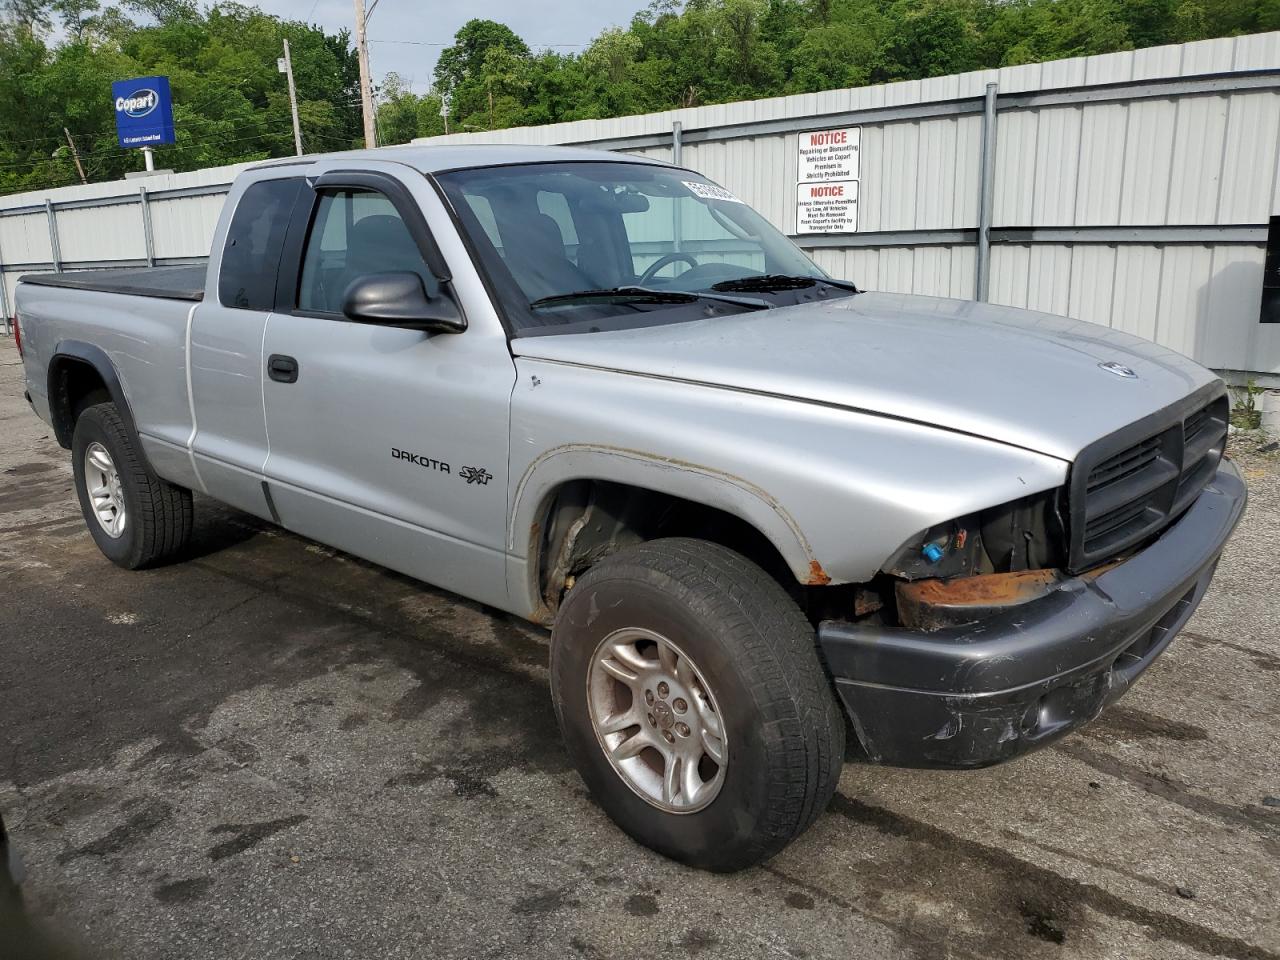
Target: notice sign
827,207
827,187
829,154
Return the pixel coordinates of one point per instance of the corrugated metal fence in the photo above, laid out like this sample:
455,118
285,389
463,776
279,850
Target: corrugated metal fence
1131,189
166,219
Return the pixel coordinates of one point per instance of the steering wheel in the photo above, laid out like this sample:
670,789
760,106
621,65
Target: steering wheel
663,261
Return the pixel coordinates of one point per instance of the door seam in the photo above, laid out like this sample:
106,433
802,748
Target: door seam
191,402
262,383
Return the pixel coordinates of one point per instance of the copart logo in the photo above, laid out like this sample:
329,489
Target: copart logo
138,104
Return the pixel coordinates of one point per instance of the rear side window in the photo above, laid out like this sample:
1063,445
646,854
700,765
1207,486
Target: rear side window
251,256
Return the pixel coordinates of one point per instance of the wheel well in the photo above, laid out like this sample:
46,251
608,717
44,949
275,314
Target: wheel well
74,385
587,520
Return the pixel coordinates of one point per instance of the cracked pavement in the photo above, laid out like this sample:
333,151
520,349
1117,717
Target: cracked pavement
276,750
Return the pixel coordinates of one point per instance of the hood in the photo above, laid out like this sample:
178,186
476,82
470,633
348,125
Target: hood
1030,379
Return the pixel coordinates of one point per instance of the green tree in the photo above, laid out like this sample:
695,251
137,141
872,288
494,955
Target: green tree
929,40
76,15
30,16
165,11
502,75
231,104
1196,19
403,116
1032,31
832,56
460,73
746,61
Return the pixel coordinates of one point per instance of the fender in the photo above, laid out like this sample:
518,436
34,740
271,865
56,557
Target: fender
689,481
95,357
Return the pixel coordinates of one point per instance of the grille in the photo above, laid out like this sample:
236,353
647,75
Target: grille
1130,485
1124,464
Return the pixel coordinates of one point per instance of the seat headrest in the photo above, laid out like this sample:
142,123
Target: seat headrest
381,232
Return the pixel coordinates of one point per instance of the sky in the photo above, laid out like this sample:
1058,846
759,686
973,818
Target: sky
406,36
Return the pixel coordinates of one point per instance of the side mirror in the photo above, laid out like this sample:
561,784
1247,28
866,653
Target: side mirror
400,300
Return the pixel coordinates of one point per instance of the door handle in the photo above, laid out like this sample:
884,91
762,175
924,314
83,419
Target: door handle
282,369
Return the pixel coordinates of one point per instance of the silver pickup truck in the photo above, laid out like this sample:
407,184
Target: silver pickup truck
602,393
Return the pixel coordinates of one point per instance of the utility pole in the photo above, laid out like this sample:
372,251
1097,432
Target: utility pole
286,67
366,93
75,155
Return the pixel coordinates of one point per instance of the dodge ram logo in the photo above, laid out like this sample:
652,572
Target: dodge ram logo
1119,369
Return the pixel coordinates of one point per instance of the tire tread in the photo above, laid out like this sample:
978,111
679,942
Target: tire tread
778,657
165,515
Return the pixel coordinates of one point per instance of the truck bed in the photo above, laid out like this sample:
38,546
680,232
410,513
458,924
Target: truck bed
167,283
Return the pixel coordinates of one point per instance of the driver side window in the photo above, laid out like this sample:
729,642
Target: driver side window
353,233
702,239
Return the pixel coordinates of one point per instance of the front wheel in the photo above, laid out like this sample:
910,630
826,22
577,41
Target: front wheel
691,699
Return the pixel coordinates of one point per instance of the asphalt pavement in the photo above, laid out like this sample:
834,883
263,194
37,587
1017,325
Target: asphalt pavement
276,750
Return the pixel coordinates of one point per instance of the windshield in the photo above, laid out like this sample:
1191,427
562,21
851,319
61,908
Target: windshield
547,231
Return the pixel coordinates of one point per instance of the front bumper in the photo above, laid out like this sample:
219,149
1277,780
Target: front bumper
985,692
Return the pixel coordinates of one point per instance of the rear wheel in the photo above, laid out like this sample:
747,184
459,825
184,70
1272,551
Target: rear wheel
135,518
691,699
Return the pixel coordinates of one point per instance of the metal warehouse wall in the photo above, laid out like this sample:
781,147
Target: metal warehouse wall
1132,189
166,219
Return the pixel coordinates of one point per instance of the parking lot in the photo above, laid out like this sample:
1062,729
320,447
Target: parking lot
276,750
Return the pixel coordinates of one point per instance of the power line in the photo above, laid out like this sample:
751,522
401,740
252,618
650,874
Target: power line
35,140
539,44
347,143
182,124
50,184
115,151
429,43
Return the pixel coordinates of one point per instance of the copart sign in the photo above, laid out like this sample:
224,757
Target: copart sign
144,111
828,172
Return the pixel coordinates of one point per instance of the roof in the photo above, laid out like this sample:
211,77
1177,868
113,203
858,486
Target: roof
434,159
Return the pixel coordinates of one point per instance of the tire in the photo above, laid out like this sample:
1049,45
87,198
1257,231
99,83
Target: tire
751,662
157,515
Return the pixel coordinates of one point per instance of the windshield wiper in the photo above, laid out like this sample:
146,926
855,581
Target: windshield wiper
772,282
636,294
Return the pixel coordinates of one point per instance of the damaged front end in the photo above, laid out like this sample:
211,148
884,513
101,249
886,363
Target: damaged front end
988,644
965,570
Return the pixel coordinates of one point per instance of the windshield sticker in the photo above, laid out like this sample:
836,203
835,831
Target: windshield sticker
708,191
